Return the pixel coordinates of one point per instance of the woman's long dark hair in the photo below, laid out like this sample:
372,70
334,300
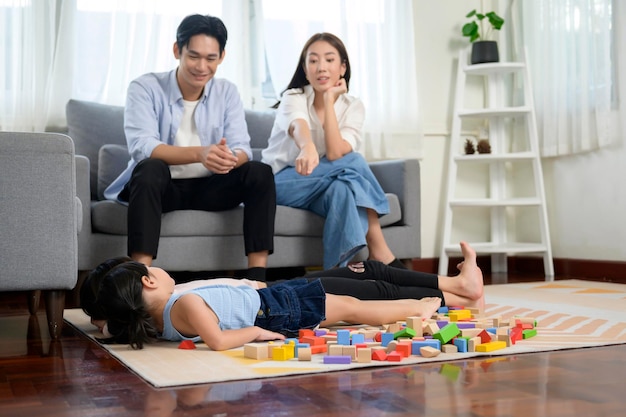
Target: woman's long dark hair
121,299
299,77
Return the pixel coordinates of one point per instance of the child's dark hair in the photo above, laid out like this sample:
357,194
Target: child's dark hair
90,287
121,298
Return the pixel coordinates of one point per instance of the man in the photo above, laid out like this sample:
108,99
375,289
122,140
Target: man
190,149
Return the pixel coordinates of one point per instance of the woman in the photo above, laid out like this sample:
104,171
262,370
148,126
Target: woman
313,153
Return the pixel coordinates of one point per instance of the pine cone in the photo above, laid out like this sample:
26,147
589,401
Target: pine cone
469,147
483,146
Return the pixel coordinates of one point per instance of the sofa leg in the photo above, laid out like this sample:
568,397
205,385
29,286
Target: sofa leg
33,301
55,303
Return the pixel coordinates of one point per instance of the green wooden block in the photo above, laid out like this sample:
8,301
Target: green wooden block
406,332
447,332
528,333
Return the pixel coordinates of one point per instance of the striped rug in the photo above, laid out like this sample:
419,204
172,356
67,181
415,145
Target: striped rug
570,314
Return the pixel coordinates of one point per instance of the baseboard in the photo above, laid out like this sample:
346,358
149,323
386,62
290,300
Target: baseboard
609,271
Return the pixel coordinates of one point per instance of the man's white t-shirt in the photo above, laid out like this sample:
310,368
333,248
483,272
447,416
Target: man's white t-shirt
187,135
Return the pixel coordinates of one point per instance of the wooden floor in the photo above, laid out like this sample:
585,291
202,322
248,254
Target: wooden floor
74,377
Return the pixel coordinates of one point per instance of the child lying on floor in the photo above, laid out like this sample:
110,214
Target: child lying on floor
141,303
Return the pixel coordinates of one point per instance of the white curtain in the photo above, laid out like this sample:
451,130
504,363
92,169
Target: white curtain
92,49
379,36
26,55
571,50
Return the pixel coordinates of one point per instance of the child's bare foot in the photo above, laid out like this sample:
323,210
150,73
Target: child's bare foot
466,289
471,276
427,306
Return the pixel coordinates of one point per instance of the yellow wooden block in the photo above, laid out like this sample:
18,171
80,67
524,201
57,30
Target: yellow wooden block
280,354
491,346
456,315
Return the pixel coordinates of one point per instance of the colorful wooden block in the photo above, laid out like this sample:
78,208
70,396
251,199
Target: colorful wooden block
364,355
304,354
416,345
447,333
337,360
379,355
491,346
258,351
429,351
406,332
187,345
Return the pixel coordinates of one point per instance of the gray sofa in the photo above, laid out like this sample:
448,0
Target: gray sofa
41,217
213,241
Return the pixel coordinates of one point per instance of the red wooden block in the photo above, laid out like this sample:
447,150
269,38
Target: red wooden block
484,337
315,349
516,334
187,344
313,340
394,356
305,332
379,355
404,349
378,336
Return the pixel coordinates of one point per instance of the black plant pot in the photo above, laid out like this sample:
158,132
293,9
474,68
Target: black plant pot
485,51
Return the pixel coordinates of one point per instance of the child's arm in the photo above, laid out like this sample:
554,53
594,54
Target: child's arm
191,316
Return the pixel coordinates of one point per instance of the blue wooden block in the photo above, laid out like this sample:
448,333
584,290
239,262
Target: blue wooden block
358,338
461,344
343,337
442,310
385,338
338,360
417,344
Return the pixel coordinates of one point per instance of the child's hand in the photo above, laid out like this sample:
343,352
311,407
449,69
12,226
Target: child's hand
267,335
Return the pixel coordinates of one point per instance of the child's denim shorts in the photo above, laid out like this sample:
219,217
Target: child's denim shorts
292,305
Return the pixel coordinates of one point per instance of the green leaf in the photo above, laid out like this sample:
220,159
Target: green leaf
495,20
471,30
470,14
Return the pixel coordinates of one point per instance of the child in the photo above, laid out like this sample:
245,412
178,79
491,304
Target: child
140,304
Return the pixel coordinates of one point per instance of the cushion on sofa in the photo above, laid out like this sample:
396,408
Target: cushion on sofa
112,160
90,125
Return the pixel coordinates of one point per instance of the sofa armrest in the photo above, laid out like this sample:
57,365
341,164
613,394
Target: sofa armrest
402,178
83,192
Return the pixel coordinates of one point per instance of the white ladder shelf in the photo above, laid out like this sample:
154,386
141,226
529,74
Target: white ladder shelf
496,199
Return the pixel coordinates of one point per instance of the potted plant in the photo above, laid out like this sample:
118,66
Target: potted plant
478,31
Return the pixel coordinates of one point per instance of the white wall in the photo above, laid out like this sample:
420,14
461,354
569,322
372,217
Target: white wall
586,194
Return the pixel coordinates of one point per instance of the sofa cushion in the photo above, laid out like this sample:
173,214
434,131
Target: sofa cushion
111,217
260,125
112,160
91,125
